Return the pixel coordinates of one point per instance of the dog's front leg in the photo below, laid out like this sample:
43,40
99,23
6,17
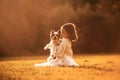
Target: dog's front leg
47,47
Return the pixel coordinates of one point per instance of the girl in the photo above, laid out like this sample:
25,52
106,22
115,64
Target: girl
64,50
64,53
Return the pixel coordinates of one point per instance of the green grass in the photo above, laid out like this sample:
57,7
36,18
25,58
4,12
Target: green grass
92,67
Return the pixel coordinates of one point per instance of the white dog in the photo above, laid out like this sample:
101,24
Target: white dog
53,59
54,41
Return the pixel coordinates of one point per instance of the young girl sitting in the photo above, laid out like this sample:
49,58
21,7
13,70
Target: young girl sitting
64,50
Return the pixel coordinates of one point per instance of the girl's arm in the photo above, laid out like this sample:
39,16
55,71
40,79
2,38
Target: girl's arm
60,50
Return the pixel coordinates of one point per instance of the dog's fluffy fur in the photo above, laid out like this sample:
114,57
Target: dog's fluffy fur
54,41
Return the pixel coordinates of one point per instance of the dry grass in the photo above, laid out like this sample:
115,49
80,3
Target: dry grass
93,67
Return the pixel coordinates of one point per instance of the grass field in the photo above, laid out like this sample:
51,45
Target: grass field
92,67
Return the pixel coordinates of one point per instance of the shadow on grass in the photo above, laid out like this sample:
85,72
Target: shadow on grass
96,68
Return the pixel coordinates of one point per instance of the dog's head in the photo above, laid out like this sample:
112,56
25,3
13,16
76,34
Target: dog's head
55,35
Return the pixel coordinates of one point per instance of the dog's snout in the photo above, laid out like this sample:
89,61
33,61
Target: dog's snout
55,37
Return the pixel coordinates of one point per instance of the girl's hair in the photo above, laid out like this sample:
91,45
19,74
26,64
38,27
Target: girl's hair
71,30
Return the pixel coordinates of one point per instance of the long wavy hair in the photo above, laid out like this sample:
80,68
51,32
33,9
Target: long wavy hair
71,30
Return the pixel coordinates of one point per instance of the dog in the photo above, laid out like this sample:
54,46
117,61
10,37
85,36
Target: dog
54,41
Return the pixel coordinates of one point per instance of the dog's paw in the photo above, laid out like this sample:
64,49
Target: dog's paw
45,48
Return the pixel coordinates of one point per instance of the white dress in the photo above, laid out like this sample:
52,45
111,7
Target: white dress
64,55
66,52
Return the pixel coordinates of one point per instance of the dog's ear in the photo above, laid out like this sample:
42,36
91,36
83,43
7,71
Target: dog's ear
51,32
59,32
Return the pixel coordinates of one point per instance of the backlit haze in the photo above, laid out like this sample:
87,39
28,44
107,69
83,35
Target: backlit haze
25,25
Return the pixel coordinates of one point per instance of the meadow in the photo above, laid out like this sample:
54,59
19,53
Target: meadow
92,67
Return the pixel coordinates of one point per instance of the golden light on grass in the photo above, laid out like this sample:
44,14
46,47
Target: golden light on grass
92,67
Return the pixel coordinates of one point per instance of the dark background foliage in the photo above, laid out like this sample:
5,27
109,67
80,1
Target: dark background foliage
25,25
